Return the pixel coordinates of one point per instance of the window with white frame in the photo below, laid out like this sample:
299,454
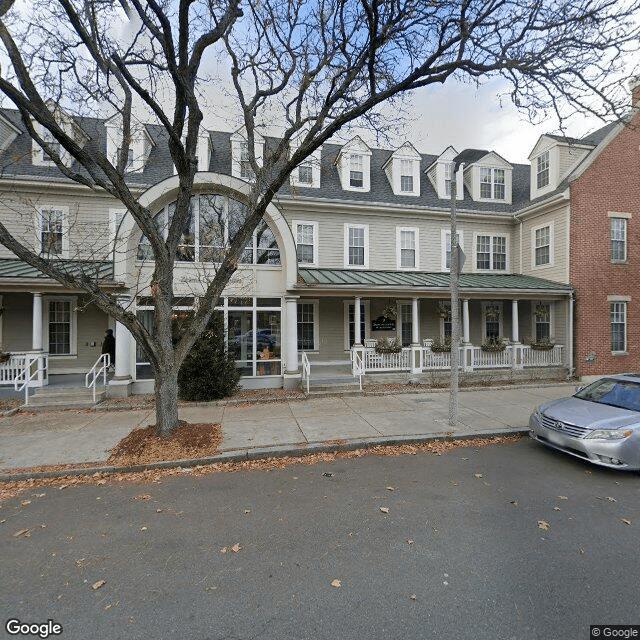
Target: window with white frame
542,321
491,253
308,325
492,183
306,234
61,326
49,139
542,246
492,319
213,223
542,170
406,176
246,171
446,248
356,245
129,163
350,326
407,247
405,328
116,218
53,232
618,239
356,171
618,326
448,176
305,173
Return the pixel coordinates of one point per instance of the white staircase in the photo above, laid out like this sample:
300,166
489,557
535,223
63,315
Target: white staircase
57,397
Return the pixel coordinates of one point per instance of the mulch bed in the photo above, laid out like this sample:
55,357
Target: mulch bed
188,441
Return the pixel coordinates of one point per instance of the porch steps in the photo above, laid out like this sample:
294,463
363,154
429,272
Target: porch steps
55,398
344,385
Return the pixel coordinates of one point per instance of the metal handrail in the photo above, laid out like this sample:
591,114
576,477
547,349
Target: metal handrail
306,370
26,377
357,366
100,367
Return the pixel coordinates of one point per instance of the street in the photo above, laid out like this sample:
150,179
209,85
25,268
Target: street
507,541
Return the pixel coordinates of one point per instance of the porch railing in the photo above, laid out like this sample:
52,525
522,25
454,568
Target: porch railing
99,369
357,365
32,372
306,371
421,358
17,363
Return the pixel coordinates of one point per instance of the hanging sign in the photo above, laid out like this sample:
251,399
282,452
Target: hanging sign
382,323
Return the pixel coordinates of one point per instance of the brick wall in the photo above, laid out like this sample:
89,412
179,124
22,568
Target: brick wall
611,184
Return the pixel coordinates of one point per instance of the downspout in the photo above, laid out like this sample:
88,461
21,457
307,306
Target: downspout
570,345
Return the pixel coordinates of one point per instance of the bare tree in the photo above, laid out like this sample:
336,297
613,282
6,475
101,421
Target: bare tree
312,66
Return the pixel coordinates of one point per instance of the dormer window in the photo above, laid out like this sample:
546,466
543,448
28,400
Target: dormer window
353,164
305,173
542,174
246,171
129,158
50,141
356,172
492,183
406,176
448,172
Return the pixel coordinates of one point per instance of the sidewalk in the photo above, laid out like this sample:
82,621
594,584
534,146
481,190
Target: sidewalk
279,428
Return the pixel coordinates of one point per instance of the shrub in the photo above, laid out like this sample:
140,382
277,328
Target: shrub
388,345
208,372
441,345
494,344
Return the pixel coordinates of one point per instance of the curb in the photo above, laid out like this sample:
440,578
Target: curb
262,453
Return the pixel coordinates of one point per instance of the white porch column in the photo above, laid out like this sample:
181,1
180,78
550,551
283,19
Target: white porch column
292,373
515,338
415,322
357,338
36,334
465,321
120,384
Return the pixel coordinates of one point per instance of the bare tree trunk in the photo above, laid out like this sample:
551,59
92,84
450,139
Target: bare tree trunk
166,391
455,308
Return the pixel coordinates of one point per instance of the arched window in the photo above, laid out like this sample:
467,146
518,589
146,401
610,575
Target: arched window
213,223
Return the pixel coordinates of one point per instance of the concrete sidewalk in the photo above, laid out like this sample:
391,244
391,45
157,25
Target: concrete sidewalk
278,428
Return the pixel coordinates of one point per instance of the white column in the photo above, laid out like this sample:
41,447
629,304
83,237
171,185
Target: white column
415,322
515,338
36,335
291,336
357,338
465,321
124,343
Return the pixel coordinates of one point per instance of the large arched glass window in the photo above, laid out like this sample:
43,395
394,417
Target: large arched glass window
213,223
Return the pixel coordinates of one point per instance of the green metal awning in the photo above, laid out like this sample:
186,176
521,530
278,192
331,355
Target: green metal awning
337,279
14,268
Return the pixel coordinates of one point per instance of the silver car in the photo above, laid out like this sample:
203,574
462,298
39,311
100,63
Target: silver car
600,423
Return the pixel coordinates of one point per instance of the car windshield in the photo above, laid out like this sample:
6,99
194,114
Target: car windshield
617,393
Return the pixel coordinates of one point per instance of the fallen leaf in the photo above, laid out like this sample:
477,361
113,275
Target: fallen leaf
336,583
514,503
236,547
412,596
581,551
22,532
543,524
25,503
625,520
391,488
143,528
384,509
247,510
556,508
144,496
562,497
96,585
610,499
478,475
409,541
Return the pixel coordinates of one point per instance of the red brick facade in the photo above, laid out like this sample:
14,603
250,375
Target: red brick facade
610,185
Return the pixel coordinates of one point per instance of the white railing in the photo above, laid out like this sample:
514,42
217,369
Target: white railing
16,364
357,366
306,370
99,368
33,366
440,359
539,358
387,361
491,359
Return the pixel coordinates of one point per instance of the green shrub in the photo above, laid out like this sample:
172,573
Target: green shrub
207,372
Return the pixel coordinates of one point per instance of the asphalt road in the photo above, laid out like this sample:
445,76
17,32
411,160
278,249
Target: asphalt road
459,555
